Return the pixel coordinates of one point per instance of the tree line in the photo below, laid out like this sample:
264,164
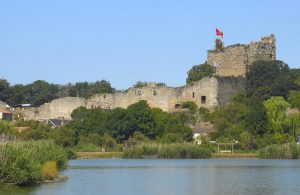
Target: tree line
40,92
258,115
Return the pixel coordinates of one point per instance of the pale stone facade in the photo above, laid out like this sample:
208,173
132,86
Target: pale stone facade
207,92
3,104
233,60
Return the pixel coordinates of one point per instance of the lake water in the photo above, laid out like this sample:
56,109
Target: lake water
210,176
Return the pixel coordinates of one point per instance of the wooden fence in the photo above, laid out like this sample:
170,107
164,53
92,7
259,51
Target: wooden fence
7,138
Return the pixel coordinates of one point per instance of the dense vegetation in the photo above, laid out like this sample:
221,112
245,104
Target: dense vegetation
257,116
94,129
31,161
284,151
40,92
169,151
200,71
140,84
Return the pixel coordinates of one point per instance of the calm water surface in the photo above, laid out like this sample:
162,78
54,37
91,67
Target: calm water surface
211,176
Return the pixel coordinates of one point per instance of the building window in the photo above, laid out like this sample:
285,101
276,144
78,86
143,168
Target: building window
193,94
203,99
177,106
154,93
138,93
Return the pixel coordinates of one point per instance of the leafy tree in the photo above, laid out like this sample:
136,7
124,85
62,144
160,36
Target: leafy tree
231,118
204,114
86,90
200,71
268,78
140,84
276,112
19,94
87,121
42,92
123,124
256,119
294,98
190,105
161,84
248,141
4,90
62,136
35,130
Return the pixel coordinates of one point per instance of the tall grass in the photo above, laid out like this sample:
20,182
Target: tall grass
21,163
49,170
167,151
285,151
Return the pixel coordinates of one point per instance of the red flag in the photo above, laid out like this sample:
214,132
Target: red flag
219,33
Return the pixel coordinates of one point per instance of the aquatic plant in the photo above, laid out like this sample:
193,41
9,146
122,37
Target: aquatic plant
284,151
167,151
21,162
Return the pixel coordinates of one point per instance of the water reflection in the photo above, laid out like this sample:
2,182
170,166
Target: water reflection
212,176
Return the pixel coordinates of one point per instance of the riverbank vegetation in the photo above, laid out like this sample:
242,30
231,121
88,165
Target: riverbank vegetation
255,117
259,115
94,130
40,92
283,151
168,151
28,162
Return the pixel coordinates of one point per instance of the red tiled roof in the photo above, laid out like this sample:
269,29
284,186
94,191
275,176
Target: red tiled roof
5,111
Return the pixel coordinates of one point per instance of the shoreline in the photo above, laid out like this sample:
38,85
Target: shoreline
118,155
101,155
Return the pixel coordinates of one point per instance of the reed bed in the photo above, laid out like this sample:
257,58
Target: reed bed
22,162
284,151
168,151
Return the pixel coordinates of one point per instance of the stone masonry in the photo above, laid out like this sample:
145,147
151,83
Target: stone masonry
234,59
209,92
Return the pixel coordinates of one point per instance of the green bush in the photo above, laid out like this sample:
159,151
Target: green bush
70,153
21,162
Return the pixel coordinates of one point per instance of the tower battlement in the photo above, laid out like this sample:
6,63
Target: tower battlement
234,59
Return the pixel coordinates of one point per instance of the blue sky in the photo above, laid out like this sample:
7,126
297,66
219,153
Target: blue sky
64,41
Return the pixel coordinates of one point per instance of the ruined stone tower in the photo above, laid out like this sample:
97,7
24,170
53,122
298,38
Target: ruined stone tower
209,92
234,59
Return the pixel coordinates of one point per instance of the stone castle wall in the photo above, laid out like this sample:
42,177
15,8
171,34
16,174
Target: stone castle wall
207,92
204,93
233,60
62,107
228,86
3,104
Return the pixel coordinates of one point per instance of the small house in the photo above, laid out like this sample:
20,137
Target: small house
5,114
22,106
200,129
57,122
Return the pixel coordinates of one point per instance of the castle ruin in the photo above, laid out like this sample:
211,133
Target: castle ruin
234,59
231,64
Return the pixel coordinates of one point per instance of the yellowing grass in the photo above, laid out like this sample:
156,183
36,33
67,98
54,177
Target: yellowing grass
49,170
